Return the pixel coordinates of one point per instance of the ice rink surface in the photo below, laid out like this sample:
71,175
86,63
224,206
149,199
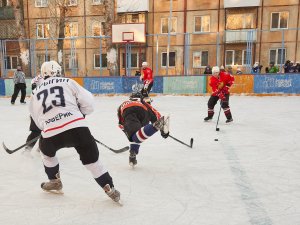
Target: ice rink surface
251,176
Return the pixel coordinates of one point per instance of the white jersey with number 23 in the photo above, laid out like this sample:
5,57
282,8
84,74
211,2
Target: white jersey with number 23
59,104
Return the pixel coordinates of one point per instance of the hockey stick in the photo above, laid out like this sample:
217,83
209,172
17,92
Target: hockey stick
217,128
113,150
190,145
10,151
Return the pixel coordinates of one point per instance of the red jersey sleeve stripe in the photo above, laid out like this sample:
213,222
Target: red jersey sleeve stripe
55,128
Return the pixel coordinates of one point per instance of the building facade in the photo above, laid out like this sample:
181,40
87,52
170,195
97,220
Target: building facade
182,37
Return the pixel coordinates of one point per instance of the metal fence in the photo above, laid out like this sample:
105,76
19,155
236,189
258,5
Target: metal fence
167,54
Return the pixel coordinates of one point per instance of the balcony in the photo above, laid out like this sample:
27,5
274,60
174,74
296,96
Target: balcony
240,36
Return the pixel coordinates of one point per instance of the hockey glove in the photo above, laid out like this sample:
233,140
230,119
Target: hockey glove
220,85
164,135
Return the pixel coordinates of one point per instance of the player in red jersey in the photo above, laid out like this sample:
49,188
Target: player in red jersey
220,83
147,78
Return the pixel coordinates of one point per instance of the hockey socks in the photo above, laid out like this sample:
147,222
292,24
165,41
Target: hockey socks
144,133
227,113
134,147
104,179
52,171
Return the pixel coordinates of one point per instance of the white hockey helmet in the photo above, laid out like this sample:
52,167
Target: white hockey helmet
144,64
51,69
215,69
43,69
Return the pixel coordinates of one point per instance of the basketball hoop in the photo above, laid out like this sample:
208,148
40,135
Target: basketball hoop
128,36
128,33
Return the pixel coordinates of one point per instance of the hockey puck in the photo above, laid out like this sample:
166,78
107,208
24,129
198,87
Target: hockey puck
217,129
216,139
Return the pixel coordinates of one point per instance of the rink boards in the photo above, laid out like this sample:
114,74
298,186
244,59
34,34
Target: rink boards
190,85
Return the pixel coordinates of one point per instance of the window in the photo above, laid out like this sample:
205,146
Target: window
135,18
276,55
41,58
71,62
4,3
202,24
172,59
279,20
97,61
239,21
235,57
71,29
97,28
41,3
200,59
134,60
71,2
42,30
12,62
132,18
245,57
165,25
97,2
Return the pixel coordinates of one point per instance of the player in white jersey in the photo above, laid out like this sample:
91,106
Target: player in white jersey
58,107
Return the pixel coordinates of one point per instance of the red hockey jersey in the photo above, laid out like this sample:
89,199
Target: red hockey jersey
147,75
223,82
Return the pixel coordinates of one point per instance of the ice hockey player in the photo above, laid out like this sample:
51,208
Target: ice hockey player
147,78
58,107
134,117
220,83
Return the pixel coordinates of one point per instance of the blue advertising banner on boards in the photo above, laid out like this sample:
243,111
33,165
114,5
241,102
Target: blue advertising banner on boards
2,87
133,84
119,85
109,85
289,84
158,86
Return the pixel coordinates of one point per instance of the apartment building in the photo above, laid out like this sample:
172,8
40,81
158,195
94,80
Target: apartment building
182,37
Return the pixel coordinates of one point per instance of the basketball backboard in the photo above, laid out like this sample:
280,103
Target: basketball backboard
130,32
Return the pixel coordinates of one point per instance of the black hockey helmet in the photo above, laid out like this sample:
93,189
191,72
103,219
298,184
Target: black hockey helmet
136,96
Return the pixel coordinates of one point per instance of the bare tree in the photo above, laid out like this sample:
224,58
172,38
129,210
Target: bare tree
63,9
109,16
21,32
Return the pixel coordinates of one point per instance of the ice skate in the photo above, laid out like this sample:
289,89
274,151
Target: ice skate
53,186
208,118
229,120
112,193
132,158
